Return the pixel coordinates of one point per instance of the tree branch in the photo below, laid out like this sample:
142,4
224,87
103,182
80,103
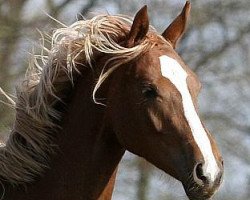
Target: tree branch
216,53
87,7
55,10
227,120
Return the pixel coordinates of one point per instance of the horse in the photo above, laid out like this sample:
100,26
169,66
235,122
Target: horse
108,84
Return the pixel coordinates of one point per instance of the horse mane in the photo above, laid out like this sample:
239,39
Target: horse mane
48,82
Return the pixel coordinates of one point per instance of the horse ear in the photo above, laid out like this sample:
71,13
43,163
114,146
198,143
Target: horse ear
176,29
139,27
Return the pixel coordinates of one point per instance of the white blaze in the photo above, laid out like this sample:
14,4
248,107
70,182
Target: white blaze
173,71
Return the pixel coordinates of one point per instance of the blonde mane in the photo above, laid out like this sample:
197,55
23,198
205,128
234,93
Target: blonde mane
26,153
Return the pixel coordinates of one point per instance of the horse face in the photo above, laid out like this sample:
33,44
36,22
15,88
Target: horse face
154,114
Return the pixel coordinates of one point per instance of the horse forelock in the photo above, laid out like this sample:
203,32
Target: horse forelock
25,155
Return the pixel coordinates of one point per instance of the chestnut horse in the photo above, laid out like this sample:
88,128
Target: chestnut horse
108,84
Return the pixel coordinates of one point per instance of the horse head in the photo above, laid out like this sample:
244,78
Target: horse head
154,113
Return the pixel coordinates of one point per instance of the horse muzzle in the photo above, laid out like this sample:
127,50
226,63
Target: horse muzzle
200,187
202,191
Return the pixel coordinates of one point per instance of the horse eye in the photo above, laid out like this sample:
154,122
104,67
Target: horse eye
150,92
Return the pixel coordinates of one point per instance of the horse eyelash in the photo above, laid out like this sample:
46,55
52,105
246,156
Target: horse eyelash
149,91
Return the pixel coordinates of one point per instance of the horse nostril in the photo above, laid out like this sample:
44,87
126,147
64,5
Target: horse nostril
199,176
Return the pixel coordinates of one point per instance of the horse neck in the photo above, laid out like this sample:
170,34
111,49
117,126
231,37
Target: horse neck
85,165
93,151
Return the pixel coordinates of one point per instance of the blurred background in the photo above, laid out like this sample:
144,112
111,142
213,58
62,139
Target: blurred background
216,46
